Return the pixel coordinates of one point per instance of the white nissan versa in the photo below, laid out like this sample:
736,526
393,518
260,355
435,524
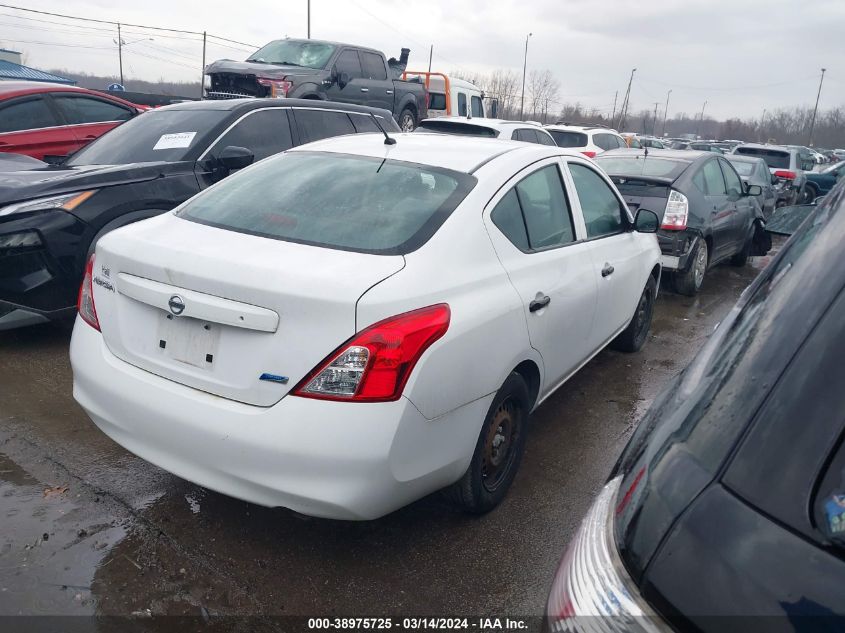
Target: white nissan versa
348,326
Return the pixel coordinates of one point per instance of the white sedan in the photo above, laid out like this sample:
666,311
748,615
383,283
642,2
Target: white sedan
346,327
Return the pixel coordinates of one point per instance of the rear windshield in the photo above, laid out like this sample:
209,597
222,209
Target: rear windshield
156,135
744,169
568,139
456,127
642,166
775,159
353,203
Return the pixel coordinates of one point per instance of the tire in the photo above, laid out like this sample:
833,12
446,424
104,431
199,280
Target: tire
808,194
407,120
741,258
491,472
689,283
633,337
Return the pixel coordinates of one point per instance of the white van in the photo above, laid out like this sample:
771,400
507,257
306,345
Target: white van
450,96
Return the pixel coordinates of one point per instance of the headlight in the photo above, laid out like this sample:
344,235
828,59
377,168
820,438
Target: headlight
592,591
67,202
206,82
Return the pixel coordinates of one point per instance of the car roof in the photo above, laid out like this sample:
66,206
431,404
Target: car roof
497,124
742,158
449,151
562,127
686,155
253,104
766,146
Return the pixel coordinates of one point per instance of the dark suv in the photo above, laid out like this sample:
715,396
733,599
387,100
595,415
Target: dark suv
51,218
726,510
708,215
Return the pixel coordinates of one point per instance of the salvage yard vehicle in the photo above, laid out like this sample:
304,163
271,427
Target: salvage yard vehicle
754,171
449,96
315,331
587,139
786,165
51,217
819,183
524,131
50,121
724,513
707,214
313,69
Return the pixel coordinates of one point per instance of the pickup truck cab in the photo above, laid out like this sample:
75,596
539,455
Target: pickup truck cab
329,71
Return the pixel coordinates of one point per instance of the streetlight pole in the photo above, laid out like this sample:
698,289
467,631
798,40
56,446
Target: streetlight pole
625,102
309,19
120,52
654,121
816,109
762,120
665,113
524,68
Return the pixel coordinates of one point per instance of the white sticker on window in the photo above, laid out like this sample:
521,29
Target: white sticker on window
173,141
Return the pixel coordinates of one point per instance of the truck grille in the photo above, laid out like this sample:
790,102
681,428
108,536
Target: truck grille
214,95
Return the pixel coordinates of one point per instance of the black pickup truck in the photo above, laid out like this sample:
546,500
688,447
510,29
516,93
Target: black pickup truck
314,69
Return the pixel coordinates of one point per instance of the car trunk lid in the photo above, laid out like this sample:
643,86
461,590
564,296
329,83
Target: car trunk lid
236,315
642,192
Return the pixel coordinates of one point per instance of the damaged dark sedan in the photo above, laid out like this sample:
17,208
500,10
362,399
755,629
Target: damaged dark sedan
708,215
52,216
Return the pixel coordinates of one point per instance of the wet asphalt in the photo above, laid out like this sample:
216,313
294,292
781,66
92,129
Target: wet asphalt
88,528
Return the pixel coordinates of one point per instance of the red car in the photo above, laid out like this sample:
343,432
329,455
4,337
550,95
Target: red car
43,120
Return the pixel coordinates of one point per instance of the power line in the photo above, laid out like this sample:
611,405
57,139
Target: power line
100,48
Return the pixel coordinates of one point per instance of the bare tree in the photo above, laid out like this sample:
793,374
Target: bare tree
543,89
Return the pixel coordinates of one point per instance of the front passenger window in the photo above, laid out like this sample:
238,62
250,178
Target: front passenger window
600,206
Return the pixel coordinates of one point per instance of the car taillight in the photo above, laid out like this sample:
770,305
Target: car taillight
278,87
85,303
592,590
589,154
785,174
677,212
374,365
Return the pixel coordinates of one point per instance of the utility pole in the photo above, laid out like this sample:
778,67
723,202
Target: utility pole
309,19
762,119
665,113
202,77
654,124
701,119
615,96
623,114
524,67
816,109
430,55
120,52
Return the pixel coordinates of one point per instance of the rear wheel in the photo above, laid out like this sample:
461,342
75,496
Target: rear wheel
498,451
407,120
689,282
635,335
808,194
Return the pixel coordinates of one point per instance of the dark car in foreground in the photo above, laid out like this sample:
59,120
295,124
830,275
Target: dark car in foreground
819,183
313,69
726,510
707,214
51,217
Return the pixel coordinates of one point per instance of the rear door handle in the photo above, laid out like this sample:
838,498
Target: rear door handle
390,92
365,89
539,304
607,270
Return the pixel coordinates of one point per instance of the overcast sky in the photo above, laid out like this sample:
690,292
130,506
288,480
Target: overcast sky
741,56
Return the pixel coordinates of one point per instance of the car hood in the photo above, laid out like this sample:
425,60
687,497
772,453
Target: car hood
259,69
34,183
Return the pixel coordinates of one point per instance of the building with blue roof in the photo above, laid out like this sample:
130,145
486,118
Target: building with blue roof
12,69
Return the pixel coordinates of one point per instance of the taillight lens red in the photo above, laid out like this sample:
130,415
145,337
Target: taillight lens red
278,87
374,365
783,173
85,303
589,154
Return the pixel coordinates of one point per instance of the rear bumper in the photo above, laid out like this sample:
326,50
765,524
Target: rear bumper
676,248
328,459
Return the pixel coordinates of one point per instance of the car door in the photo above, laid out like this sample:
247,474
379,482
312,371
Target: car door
710,180
742,207
617,252
30,125
356,90
265,132
90,117
538,238
380,88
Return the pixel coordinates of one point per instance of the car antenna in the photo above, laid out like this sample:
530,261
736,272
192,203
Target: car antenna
388,140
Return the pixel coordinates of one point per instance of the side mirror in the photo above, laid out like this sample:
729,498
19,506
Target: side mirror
329,81
342,80
233,157
646,221
754,190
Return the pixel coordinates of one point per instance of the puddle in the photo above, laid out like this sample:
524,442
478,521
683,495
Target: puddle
50,547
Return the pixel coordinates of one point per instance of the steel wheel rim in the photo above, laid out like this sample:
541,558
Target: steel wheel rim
407,123
499,443
643,310
700,265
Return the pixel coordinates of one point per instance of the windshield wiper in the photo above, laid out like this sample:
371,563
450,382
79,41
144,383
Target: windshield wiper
257,61
291,64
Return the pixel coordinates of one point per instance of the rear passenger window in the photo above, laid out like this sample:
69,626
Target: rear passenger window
81,110
528,136
603,141
544,139
265,132
26,115
600,206
507,216
373,66
364,123
545,208
462,104
318,124
712,179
